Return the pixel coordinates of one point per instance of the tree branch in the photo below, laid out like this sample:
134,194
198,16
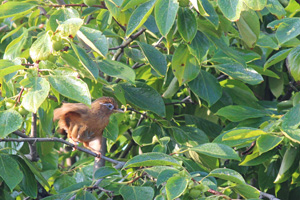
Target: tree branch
269,196
33,156
119,164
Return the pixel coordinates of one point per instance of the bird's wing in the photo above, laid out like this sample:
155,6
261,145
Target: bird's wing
80,109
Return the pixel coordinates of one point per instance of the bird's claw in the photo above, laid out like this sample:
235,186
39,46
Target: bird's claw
98,157
75,146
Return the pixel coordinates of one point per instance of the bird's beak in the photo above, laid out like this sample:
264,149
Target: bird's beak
118,111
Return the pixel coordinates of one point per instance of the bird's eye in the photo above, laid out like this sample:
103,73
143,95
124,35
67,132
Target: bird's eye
110,106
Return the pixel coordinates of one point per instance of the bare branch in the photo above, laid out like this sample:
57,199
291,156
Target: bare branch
269,196
54,139
76,5
33,134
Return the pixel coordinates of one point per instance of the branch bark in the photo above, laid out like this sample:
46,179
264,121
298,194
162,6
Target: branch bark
118,164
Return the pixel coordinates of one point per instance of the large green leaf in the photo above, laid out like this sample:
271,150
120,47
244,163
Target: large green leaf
237,71
219,151
130,4
10,171
165,175
42,47
69,27
151,159
136,192
199,46
67,84
249,27
186,23
268,142
165,13
148,98
10,121
94,39
293,63
176,186
117,69
105,171
275,7
89,65
139,16
277,57
227,174
207,87
237,113
210,13
156,58
256,4
13,8
184,66
246,191
111,131
38,89
61,15
287,29
143,135
29,183
289,120
231,8
7,67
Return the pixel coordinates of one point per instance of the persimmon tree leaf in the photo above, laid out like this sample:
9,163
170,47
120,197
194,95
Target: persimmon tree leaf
10,121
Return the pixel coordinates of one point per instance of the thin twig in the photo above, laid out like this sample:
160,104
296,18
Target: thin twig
77,5
269,196
19,96
158,42
54,139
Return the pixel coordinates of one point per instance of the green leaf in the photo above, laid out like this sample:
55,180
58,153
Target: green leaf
246,191
105,171
42,47
276,8
38,89
267,41
277,57
237,71
207,87
249,27
242,133
94,39
111,131
117,69
69,27
165,175
186,22
255,158
210,13
176,186
227,174
165,13
139,16
63,182
10,121
293,60
13,8
70,86
83,195
29,183
143,135
237,113
10,171
156,58
184,66
199,46
136,192
62,15
219,151
7,67
149,99
231,8
289,120
288,29
89,65
256,4
268,142
130,4
151,159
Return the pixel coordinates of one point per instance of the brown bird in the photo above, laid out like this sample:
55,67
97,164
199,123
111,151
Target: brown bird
84,124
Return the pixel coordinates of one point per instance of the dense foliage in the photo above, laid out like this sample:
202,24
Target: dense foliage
209,88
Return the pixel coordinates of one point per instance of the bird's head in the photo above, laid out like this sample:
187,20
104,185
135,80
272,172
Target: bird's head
105,106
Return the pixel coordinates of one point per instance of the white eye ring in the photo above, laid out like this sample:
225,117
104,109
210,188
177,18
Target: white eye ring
109,106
